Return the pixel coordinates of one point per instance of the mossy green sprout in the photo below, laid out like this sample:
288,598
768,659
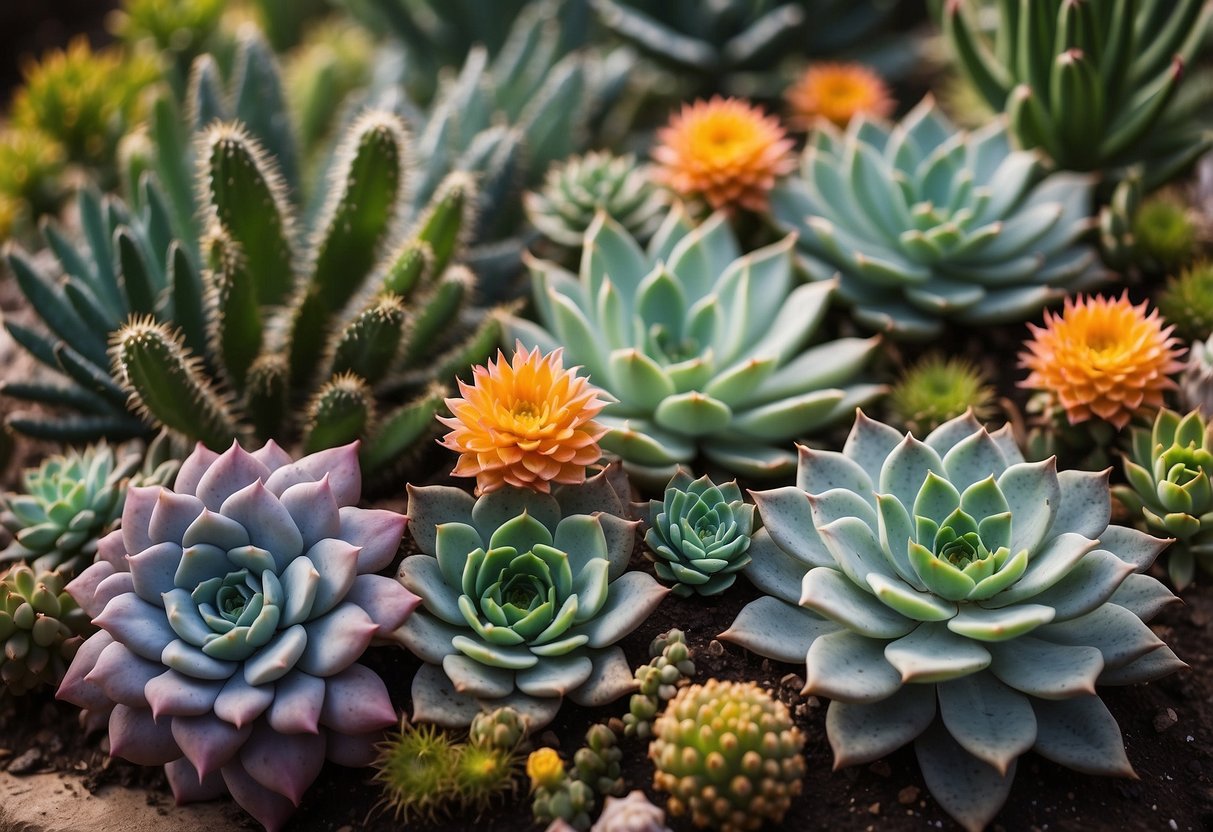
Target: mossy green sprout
1187,301
937,389
1165,233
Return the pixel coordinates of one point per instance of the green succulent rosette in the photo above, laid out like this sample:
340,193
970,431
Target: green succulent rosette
524,596
699,534
707,351
1169,470
947,593
41,628
925,223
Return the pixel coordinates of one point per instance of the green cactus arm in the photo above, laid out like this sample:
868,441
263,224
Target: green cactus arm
266,397
1034,53
235,318
1180,34
309,326
40,346
401,430
1116,59
99,239
88,307
1076,97
173,168
340,413
53,307
137,276
445,218
164,384
204,98
244,188
988,74
409,269
437,312
474,350
261,104
369,344
187,298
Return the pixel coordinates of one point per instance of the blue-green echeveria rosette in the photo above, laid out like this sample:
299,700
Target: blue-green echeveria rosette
699,534
524,596
233,611
706,350
947,592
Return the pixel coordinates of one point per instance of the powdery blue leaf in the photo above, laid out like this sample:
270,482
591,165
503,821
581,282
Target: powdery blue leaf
845,666
932,653
1046,670
991,721
968,789
861,733
830,594
778,630
1081,734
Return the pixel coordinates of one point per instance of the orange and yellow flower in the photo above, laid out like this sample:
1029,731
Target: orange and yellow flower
1102,358
837,92
725,151
527,423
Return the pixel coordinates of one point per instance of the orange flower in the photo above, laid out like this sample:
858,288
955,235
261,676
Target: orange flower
1102,357
837,92
723,150
526,423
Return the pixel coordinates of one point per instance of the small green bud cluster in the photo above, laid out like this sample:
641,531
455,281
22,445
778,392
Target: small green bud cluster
658,681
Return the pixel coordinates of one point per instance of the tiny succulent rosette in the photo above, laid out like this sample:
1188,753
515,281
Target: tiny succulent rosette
1196,384
233,611
926,223
946,592
699,534
41,628
1169,471
524,596
633,813
704,349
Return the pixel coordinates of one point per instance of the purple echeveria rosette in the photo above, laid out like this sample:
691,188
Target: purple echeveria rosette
233,611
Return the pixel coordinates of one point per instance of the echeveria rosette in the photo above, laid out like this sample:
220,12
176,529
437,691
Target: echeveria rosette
699,534
233,611
524,596
947,592
705,350
925,223
1170,487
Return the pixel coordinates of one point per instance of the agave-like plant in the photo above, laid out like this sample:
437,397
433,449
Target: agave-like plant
947,593
1090,83
705,349
233,611
925,223
525,595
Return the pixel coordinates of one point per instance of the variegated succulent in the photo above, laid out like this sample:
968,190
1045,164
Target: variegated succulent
705,350
927,224
947,593
525,595
233,611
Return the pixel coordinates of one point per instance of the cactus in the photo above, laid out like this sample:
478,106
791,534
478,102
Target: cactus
41,628
1187,302
936,390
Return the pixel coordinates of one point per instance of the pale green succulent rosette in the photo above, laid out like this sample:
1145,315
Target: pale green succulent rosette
925,223
948,593
699,535
524,597
1169,473
707,351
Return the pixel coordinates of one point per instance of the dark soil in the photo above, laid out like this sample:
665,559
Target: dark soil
30,27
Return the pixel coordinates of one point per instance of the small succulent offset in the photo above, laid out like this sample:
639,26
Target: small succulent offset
597,763
1090,83
1187,301
947,592
557,797
937,389
233,611
658,681
698,535
729,755
1169,471
525,595
704,349
928,224
41,628
575,190
1196,385
1165,233
633,813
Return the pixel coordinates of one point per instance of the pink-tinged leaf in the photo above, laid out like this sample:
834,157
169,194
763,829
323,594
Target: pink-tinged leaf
83,588
153,570
137,624
75,687
172,515
240,703
136,515
123,676
297,704
269,525
189,787
119,583
314,510
357,702
207,742
191,471
175,694
270,809
136,736
385,600
111,549
234,470
341,464
272,456
337,563
283,763
376,531
335,641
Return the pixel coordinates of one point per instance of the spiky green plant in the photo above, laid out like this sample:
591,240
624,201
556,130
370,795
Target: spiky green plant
1187,301
1089,82
41,628
555,796
671,668
937,389
31,164
178,29
1165,233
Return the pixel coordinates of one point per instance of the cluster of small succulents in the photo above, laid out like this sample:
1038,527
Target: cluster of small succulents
670,670
41,628
555,795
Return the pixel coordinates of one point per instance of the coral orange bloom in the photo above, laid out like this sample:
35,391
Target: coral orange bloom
837,92
725,151
1104,358
527,423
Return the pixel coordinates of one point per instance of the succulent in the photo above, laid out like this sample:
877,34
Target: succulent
703,348
1165,233
1196,386
597,763
729,755
947,592
1169,470
926,223
698,535
178,29
575,190
936,390
72,500
233,611
328,66
656,682
556,796
41,628
525,595
1187,302
500,728
1089,83
633,813
31,167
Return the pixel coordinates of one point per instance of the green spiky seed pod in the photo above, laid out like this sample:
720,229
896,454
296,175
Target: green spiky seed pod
243,187
597,763
66,505
1187,302
501,728
729,755
165,385
445,217
1165,233
40,629
937,389
436,313
411,267
670,669
483,774
368,345
235,317
415,769
340,412
266,397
